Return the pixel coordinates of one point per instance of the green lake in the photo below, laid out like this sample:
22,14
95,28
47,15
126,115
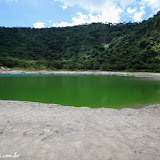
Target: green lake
81,90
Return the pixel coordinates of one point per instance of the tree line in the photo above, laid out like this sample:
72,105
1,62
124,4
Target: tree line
96,46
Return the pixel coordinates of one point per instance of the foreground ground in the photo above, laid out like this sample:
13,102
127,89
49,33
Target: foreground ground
36,131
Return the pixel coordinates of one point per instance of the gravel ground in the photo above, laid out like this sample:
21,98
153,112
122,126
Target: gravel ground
36,131
136,74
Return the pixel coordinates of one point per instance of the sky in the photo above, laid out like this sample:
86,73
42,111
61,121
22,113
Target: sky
62,13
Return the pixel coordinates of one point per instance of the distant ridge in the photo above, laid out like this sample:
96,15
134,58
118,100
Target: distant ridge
96,46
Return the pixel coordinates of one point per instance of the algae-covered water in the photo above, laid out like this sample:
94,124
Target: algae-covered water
81,90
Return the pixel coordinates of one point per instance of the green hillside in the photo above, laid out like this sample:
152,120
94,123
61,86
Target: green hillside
123,46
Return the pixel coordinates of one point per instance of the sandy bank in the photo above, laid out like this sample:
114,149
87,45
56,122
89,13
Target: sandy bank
39,131
137,74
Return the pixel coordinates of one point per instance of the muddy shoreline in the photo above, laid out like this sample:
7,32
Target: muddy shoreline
53,132
136,74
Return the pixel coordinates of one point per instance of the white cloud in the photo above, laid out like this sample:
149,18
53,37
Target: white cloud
39,25
125,3
138,15
99,10
81,18
62,24
91,5
95,5
108,10
108,13
64,7
154,4
131,11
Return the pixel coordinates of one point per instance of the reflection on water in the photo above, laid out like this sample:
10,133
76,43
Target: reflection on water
81,90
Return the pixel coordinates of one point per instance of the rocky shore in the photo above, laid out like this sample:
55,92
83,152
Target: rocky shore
36,131
137,74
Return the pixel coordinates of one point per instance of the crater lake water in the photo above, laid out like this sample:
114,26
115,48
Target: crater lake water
81,90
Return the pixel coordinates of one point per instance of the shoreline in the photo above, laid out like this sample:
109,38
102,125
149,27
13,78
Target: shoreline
37,131
154,105
107,73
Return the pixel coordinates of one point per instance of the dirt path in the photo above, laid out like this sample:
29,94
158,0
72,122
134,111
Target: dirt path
36,131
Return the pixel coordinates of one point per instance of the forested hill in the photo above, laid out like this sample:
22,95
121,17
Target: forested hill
129,46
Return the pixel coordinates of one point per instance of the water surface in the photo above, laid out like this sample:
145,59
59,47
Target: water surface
81,90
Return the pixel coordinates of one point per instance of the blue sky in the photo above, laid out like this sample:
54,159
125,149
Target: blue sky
61,13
